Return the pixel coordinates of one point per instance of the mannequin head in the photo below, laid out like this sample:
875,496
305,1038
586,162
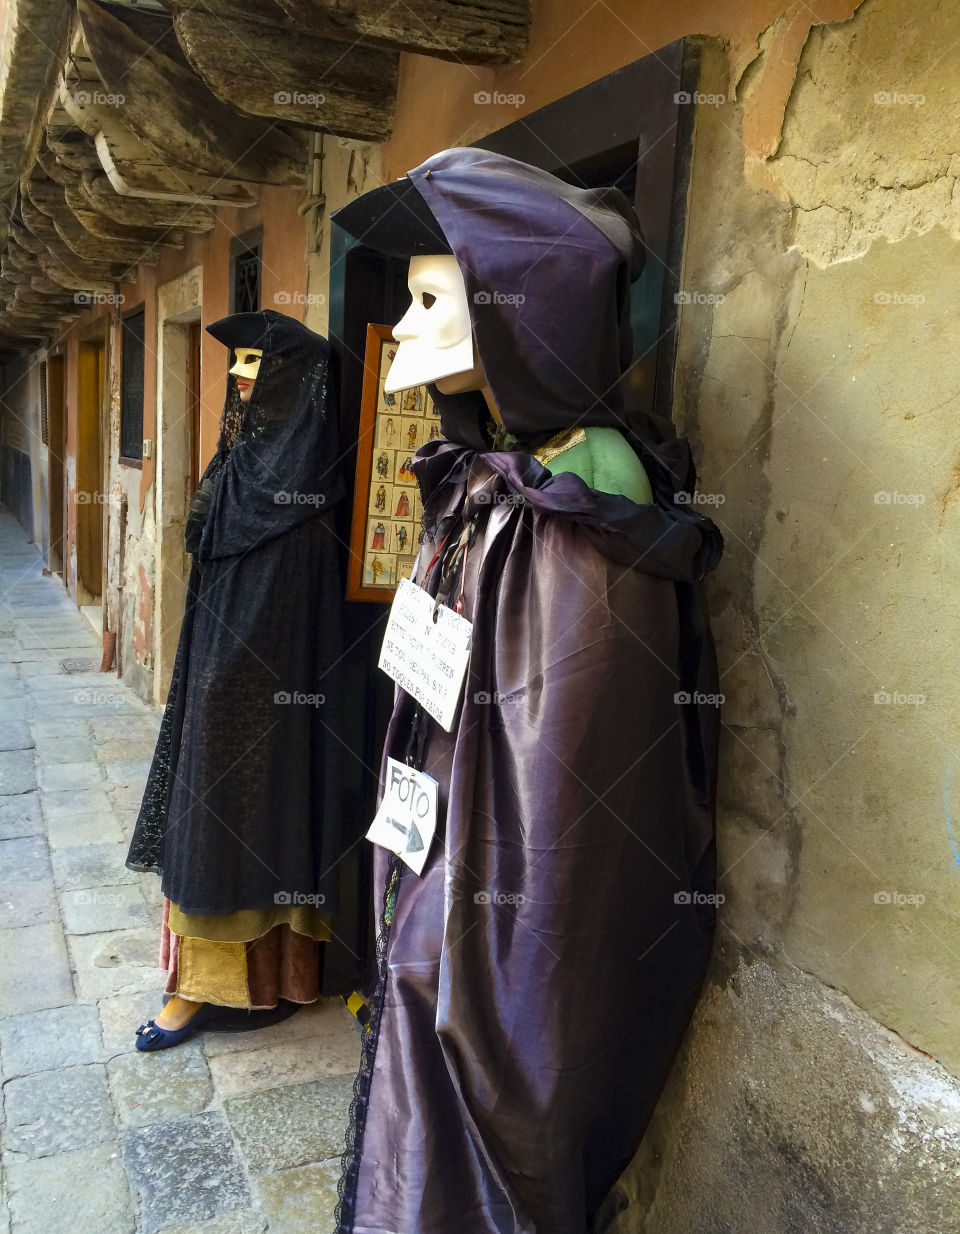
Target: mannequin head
434,334
245,368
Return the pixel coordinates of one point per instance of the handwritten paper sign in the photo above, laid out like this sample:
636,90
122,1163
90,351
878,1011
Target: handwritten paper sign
426,649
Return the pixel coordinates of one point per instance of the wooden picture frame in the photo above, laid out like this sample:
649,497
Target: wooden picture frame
387,516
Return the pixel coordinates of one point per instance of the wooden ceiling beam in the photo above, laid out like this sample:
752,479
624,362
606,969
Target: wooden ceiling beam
92,220
142,211
262,64
177,117
466,31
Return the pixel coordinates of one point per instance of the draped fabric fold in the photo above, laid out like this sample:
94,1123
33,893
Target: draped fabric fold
242,803
536,979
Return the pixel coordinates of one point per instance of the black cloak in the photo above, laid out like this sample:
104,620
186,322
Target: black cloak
537,978
242,804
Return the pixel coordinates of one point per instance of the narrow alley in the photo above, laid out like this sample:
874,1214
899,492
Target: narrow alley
226,1134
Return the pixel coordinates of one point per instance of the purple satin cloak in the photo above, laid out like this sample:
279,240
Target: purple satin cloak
538,976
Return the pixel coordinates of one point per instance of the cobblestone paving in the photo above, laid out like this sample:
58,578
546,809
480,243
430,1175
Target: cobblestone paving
225,1134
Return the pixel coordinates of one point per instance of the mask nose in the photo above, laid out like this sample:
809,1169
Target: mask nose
406,328
246,363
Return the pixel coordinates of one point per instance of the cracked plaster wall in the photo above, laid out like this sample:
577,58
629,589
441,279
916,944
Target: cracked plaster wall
818,379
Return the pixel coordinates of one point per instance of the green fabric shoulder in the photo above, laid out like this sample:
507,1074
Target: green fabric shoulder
606,462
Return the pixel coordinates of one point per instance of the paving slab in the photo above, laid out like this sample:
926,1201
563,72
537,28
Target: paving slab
97,910
17,774
81,1192
193,1174
128,771
240,1221
60,726
24,860
35,973
127,748
27,903
121,1014
289,1062
58,1037
126,796
69,777
58,805
326,1016
91,865
74,830
107,728
300,1199
56,1111
20,816
43,666
70,749
15,735
298,1124
121,962
160,1086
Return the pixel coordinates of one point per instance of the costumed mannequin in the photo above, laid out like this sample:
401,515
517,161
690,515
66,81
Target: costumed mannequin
537,977
241,812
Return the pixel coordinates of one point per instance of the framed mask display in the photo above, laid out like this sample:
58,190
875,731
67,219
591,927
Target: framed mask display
387,517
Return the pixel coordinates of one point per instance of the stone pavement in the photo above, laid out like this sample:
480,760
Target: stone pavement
226,1134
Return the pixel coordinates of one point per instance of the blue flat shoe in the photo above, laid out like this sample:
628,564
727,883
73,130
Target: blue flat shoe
151,1037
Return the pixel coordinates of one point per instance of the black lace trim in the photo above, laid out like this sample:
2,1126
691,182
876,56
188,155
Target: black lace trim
345,1213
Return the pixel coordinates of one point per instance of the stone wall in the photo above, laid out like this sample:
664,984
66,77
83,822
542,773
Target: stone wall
818,379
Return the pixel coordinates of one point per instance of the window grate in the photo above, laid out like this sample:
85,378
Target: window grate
246,281
44,424
131,379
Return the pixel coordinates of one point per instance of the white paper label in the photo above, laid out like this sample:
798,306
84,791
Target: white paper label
427,658
407,818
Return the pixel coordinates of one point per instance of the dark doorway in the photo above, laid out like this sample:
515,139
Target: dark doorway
632,130
56,453
91,498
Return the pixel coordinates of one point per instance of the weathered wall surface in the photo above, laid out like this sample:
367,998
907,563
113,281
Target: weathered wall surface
818,378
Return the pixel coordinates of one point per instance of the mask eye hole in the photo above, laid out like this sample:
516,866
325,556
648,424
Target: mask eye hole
428,299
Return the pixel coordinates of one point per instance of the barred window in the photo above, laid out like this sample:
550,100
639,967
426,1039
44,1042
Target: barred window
44,424
131,382
245,266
